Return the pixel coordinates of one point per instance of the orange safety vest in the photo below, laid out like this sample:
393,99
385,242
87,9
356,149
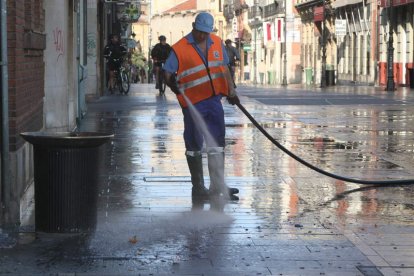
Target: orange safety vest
193,76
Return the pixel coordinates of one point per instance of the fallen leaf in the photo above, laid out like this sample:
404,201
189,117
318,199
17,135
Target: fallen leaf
133,239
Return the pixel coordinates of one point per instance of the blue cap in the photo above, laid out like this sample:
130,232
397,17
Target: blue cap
204,22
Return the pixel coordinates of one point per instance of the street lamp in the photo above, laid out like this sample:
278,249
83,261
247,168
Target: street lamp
323,76
255,57
256,24
284,79
390,51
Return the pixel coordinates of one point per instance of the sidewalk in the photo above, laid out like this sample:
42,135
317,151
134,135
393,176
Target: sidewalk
289,220
337,87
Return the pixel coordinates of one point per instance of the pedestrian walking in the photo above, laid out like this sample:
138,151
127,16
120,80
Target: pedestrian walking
203,76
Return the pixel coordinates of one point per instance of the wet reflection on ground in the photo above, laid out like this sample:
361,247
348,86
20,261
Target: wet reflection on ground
288,218
365,142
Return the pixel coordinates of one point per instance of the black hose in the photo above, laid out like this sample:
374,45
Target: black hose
280,146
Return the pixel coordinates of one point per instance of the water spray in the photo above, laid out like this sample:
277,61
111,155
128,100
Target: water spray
307,164
209,140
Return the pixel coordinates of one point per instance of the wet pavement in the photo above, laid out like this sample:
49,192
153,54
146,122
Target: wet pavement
289,220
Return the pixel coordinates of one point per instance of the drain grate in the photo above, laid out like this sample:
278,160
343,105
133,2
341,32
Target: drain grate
369,270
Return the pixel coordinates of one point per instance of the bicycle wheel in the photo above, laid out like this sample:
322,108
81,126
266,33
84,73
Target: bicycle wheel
161,83
118,83
124,83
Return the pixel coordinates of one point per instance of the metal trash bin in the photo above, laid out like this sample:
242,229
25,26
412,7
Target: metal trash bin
330,75
271,77
66,174
261,76
411,76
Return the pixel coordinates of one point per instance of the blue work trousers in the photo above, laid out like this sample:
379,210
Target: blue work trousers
211,111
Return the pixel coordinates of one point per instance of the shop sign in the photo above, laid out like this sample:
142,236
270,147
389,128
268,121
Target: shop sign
340,27
247,47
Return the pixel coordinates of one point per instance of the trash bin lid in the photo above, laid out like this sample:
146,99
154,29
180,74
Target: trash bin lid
67,139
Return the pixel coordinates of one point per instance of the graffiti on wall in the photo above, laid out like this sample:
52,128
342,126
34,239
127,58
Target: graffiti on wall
58,41
91,45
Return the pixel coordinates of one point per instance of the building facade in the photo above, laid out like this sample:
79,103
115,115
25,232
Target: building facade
54,63
401,16
349,41
174,20
141,29
25,71
318,55
47,80
356,56
267,35
238,30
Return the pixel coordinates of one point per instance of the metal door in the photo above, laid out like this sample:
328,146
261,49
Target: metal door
354,57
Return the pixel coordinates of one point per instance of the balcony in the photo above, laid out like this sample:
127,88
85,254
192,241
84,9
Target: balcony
240,5
255,11
228,12
233,8
267,11
278,7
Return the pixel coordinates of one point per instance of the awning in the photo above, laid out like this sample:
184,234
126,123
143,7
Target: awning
343,3
318,14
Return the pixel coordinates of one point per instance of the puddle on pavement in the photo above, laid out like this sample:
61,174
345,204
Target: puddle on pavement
282,188
159,231
322,143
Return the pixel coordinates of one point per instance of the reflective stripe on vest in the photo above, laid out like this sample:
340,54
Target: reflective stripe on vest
199,68
199,81
193,76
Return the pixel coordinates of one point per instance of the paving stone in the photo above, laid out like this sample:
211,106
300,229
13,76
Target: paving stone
289,220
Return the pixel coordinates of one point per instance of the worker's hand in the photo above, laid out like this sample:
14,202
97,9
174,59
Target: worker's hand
172,83
175,89
233,100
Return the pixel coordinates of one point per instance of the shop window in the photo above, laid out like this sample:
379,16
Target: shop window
271,57
361,54
348,62
410,36
356,53
342,55
311,57
401,40
383,42
368,11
